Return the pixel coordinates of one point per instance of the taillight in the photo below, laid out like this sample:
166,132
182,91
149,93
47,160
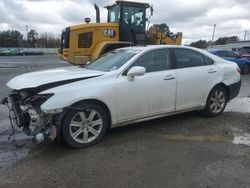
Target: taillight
238,69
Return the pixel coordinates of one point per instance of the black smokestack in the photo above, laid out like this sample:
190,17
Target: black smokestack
97,10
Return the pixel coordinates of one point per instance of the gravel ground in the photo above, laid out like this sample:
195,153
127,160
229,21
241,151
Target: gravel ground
186,150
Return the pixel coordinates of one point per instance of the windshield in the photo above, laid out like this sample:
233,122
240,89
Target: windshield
114,14
112,60
134,17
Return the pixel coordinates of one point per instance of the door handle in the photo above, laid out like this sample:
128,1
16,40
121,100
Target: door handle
169,77
212,71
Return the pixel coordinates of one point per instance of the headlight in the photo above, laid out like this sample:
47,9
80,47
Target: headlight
39,99
53,111
24,94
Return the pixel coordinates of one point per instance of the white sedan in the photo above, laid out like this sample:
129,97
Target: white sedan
125,86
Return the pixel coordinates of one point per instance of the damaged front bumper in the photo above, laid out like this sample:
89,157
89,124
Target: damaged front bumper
25,113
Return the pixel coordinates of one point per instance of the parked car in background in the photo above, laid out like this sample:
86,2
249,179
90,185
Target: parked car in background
245,52
32,51
20,51
127,85
9,52
242,62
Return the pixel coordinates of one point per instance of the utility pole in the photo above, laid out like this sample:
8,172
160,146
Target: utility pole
27,31
213,35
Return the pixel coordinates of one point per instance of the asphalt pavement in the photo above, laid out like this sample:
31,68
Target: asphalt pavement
185,150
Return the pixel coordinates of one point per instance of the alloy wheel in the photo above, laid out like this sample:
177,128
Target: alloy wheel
246,69
217,101
86,126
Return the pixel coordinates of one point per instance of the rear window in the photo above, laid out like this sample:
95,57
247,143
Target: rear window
188,58
221,53
245,50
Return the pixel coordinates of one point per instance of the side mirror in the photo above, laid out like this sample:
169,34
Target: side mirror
136,71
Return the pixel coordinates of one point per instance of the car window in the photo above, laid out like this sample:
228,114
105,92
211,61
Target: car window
85,40
230,54
188,58
208,61
156,60
245,50
221,53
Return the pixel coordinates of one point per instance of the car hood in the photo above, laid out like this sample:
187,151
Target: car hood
58,76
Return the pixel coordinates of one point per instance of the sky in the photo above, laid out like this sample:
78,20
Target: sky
195,18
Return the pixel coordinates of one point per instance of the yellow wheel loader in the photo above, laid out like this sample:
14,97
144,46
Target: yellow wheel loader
126,26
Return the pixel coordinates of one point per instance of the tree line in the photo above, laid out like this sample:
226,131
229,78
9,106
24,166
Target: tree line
14,38
203,44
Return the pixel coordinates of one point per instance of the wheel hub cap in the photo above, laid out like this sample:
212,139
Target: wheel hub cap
86,126
217,101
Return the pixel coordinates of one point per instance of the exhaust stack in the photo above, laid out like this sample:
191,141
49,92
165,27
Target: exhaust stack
97,10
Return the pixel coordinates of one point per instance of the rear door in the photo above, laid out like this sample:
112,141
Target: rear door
196,74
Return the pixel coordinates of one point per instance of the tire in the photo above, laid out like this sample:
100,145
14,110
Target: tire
246,69
216,101
84,125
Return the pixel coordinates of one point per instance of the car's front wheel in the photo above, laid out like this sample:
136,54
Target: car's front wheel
84,125
216,101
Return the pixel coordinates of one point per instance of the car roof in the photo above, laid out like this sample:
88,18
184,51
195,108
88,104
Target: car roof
143,49
218,50
151,47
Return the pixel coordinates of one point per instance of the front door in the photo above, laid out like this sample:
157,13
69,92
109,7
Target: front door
150,94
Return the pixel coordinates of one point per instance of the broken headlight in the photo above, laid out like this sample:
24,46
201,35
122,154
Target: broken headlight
39,99
24,94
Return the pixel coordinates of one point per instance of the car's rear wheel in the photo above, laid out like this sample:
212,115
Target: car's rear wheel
216,101
246,69
85,125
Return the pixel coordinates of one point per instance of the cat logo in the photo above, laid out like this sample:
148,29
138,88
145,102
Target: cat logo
109,32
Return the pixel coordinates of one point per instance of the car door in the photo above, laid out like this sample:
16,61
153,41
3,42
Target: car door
150,94
196,74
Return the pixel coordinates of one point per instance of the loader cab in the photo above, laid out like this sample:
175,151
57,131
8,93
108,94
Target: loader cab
131,17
